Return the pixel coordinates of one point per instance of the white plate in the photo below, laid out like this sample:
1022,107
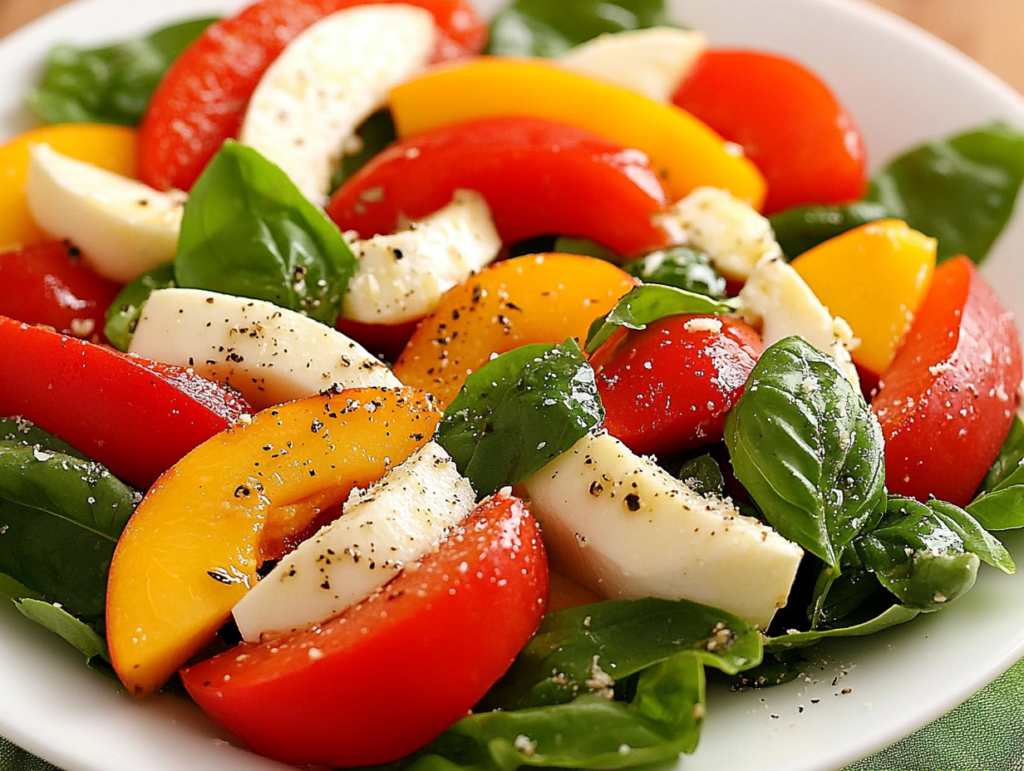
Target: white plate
902,87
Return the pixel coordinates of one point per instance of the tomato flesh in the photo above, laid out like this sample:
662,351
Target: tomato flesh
391,673
947,401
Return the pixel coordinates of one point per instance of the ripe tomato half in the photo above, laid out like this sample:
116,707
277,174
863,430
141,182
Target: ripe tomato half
667,388
391,673
947,401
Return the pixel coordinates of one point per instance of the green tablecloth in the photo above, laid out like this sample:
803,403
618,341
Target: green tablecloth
985,733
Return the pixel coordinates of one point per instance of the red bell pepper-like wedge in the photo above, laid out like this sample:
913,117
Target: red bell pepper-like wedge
134,416
201,101
538,176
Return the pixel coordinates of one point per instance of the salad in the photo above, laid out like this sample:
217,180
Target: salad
860,578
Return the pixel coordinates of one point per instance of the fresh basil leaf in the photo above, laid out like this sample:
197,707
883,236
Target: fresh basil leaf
111,84
584,246
807,448
999,503
576,647
777,668
376,133
61,518
518,412
123,314
801,228
703,475
24,433
544,28
894,616
87,640
1007,464
681,267
648,303
248,231
15,590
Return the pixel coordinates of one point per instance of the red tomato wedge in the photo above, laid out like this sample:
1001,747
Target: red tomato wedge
667,388
391,673
47,284
947,401
202,99
788,122
538,176
134,416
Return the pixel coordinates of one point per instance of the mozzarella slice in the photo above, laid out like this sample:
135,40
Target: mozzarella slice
305,111
269,354
728,230
625,528
122,226
652,62
395,522
776,297
401,277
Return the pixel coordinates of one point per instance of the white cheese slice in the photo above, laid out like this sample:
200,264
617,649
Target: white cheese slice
625,528
401,277
778,299
305,111
652,62
122,226
270,354
395,522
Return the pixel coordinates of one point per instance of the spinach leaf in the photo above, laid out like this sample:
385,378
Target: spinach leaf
999,504
894,616
960,190
807,448
248,231
681,267
376,133
648,303
61,518
123,314
20,432
54,618
518,412
544,28
111,84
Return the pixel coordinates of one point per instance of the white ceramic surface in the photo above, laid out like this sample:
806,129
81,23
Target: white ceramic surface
902,86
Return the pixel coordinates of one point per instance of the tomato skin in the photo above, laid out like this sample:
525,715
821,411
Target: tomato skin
135,416
201,101
947,401
786,119
538,176
47,284
397,669
667,388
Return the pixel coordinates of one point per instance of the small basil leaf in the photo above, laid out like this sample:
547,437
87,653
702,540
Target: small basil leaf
584,246
647,304
807,448
111,84
57,620
376,133
703,475
544,28
20,432
894,616
681,267
123,314
15,590
777,668
801,228
519,412
248,231
1007,464
999,504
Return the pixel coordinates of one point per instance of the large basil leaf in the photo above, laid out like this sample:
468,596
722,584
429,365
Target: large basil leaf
960,190
111,84
546,28
61,518
681,267
124,313
807,448
519,412
648,303
894,616
20,432
999,504
248,231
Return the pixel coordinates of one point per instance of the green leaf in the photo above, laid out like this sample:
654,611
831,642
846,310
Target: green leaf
807,448
123,314
894,616
703,475
648,303
681,267
801,228
999,503
111,84
15,590
1007,463
518,412
91,644
545,28
376,133
248,231
584,246
61,518
16,432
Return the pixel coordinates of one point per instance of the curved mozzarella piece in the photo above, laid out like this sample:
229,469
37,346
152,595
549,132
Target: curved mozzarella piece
122,226
309,103
401,277
397,521
624,527
270,354
778,298
728,230
651,62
